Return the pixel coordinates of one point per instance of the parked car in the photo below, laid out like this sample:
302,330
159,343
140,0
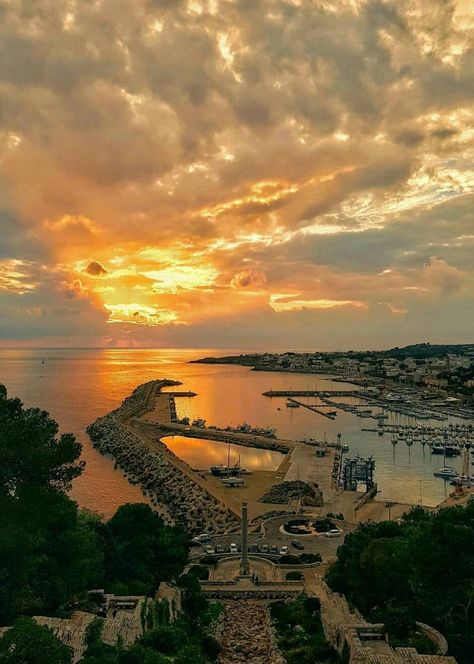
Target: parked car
297,544
203,537
274,549
334,532
209,550
264,548
219,548
283,550
233,548
254,547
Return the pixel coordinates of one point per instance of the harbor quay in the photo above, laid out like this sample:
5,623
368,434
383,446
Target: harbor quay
304,484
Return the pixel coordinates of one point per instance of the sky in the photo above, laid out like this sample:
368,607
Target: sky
236,173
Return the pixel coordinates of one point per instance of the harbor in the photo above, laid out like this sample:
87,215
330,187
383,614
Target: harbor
227,397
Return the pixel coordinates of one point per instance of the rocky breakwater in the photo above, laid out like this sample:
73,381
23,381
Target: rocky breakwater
246,634
155,468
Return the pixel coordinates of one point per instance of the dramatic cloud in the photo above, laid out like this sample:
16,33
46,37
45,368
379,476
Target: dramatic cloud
235,173
96,269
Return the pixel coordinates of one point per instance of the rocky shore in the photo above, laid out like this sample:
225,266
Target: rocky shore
176,496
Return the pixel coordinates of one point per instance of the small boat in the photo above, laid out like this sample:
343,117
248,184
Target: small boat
452,450
437,449
446,473
345,448
292,404
232,481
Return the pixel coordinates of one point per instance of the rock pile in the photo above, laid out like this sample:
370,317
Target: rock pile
282,493
246,634
177,497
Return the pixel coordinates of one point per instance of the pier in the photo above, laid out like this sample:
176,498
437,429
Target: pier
315,409
311,393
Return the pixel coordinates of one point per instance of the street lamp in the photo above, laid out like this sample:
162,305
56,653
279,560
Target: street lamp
389,506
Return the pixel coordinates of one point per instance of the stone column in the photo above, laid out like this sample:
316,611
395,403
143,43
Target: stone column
244,558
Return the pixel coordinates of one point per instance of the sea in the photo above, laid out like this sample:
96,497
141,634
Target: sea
78,385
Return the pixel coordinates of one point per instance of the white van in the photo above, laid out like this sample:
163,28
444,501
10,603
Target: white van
334,532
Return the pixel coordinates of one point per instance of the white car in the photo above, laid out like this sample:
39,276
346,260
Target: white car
334,532
283,550
209,550
203,537
233,548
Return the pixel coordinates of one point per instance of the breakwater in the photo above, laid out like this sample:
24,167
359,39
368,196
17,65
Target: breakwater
219,435
170,484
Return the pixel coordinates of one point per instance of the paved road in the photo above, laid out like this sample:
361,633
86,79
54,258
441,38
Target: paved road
319,544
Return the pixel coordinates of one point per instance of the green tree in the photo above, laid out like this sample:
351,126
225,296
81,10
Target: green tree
31,452
29,643
141,551
422,569
48,550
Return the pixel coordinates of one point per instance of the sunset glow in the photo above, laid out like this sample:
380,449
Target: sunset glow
235,174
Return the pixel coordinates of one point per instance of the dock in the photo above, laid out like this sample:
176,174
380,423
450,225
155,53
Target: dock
315,409
310,393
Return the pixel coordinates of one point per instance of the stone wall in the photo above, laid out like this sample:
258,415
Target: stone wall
345,627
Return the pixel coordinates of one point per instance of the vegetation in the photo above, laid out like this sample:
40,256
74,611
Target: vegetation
186,641
303,558
29,643
140,552
300,633
52,553
421,569
48,551
294,575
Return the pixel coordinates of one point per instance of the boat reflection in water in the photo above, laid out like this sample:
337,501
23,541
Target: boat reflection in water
202,454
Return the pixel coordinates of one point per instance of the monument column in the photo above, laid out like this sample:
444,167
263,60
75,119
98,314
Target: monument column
244,558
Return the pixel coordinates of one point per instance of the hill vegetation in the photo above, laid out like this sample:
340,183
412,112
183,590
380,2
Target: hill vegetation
419,570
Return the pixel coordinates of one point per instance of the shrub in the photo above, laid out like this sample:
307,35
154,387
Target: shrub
294,575
200,572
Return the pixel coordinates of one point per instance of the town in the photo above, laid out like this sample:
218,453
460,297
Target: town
434,369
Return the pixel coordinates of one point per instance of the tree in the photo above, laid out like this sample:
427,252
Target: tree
31,452
422,569
141,551
29,643
48,551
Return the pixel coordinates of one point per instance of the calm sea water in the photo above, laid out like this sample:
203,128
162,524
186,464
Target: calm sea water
77,386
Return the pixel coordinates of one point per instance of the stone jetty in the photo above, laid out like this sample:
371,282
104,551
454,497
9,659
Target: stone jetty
176,495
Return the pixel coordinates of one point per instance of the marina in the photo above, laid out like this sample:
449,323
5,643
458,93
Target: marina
93,382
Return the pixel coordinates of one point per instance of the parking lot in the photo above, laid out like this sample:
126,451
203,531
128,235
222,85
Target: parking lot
270,545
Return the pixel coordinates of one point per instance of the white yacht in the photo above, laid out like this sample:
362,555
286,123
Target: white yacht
446,473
